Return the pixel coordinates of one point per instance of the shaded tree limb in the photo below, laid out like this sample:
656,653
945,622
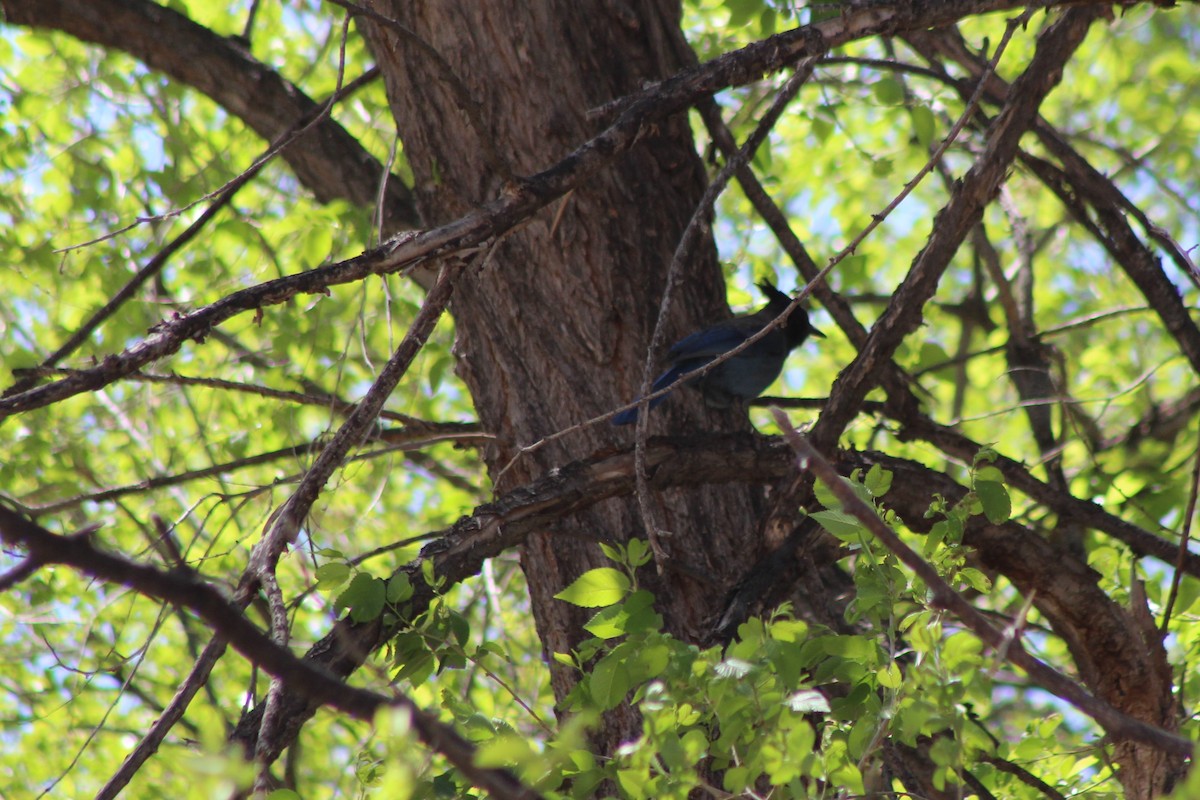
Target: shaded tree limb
1079,185
1118,724
952,224
285,522
525,197
1117,650
188,590
156,263
328,160
459,551
874,363
501,525
961,447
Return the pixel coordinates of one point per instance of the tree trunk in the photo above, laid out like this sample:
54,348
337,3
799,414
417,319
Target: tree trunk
553,329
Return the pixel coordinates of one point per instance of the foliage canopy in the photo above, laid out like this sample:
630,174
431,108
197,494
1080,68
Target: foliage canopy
1071,378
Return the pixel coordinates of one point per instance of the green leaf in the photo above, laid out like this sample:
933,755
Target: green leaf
634,614
399,588
822,128
635,783
602,586
365,597
988,473
1189,591
789,630
889,677
878,481
639,553
742,11
614,552
843,771
611,680
460,627
505,750
997,506
841,525
985,455
961,649
416,669
825,496
931,354
945,751
737,779
935,538
861,736
860,649
332,574
767,21
427,572
650,662
924,125
888,91
437,373
975,579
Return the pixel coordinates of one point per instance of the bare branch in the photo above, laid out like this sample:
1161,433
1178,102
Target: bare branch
190,591
1118,724
329,161
287,518
951,226
521,200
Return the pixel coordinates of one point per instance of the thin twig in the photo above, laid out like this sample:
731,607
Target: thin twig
691,236
941,595
288,518
189,590
1184,539
220,199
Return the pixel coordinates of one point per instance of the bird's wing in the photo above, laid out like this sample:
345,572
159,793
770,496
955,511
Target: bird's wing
711,342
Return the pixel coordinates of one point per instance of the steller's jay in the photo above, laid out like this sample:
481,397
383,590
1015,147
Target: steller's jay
750,372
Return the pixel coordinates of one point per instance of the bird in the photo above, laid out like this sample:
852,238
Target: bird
750,372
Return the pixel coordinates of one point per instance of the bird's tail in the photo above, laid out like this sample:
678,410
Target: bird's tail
630,415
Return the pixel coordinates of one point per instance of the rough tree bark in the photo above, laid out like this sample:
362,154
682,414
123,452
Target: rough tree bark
553,323
553,330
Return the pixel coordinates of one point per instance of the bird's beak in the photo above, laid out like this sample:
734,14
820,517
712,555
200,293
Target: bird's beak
816,332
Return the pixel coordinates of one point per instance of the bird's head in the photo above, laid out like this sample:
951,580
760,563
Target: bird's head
798,327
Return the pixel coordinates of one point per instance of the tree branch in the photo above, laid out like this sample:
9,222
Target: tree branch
1078,185
1118,724
521,200
458,552
188,590
328,160
952,224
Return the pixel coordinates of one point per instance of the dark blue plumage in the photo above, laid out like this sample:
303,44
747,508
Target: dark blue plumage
747,374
